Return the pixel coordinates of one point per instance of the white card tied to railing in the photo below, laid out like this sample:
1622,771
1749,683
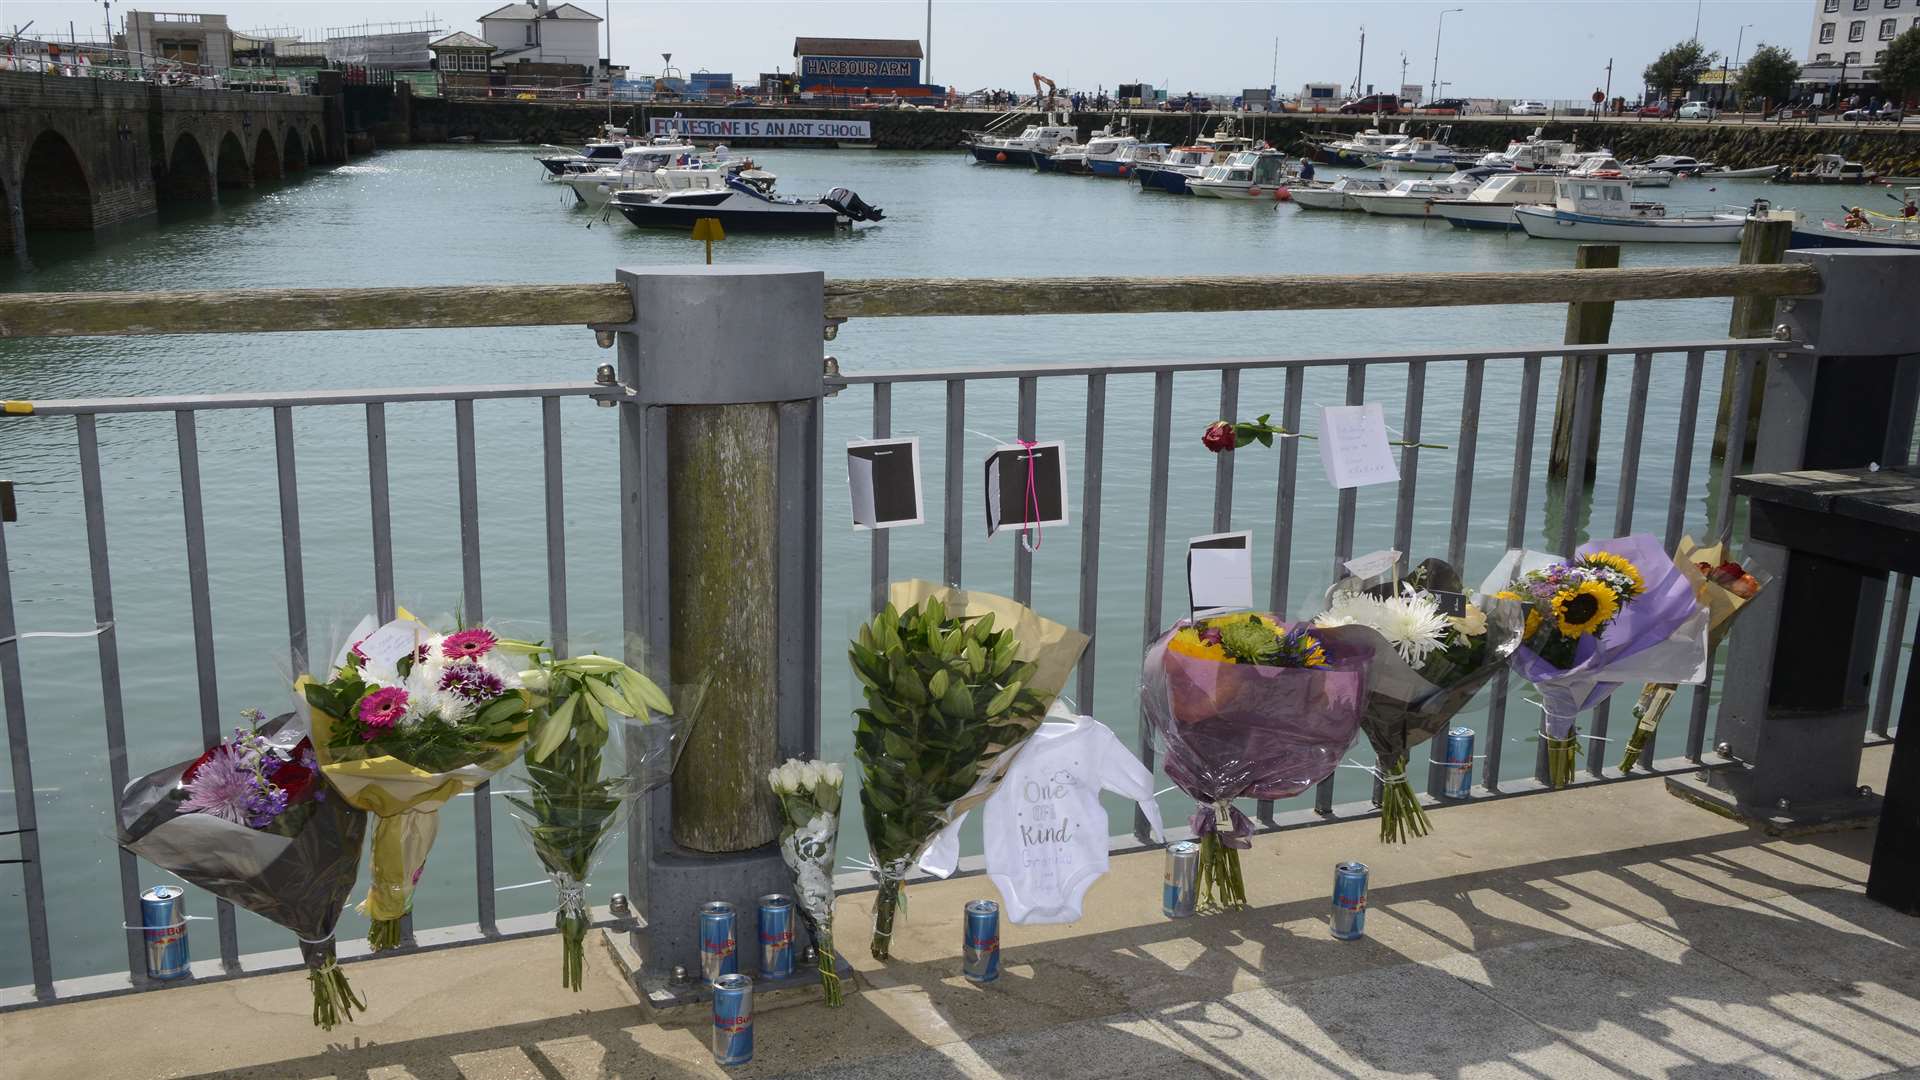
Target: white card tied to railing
1026,486
1220,573
883,477
1353,446
1376,564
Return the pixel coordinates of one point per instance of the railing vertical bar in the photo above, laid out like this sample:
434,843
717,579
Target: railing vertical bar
1409,462
1463,461
1156,554
473,609
1289,467
1586,374
956,478
1745,361
881,549
1892,641
1095,443
1528,419
381,511
1622,525
556,497
1022,556
1683,456
1342,551
39,944
200,600
292,561
1223,463
113,705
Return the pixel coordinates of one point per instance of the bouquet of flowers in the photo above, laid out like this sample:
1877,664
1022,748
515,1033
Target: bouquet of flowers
1250,707
1618,611
606,734
252,822
408,719
954,683
809,794
1427,664
1723,587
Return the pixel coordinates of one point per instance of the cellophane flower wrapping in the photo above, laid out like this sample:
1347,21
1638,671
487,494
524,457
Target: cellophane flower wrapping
1723,588
1409,703
300,881
581,783
1249,731
809,793
402,787
1659,636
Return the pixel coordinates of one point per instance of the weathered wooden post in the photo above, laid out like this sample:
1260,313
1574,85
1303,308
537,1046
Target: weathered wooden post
1793,720
720,525
1588,323
1761,242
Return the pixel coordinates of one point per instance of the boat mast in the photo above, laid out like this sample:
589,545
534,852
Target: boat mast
1361,66
609,63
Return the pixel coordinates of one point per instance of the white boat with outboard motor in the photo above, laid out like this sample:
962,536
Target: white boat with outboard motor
1420,154
740,207
1413,198
603,151
1034,140
1248,174
1605,210
1337,194
647,168
1602,165
1490,206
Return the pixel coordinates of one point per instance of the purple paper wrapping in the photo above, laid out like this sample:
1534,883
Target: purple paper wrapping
1651,619
1233,731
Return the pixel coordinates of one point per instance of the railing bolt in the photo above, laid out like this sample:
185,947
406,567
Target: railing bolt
830,367
1783,332
832,329
1866,792
1783,805
617,905
1786,305
809,956
604,376
679,973
603,338
1723,749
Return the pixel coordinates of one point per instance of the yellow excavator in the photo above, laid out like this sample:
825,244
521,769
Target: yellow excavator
1052,92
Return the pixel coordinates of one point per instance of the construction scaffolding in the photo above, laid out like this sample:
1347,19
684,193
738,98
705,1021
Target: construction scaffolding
395,46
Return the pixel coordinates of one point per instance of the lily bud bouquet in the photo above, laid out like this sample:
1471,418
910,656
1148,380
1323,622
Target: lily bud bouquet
809,796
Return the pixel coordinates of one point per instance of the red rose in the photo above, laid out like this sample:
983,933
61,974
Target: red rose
295,778
1219,436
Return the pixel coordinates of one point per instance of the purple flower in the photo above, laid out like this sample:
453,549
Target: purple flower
471,682
267,803
226,787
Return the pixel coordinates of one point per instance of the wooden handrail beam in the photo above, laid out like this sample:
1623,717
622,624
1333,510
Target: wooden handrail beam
239,311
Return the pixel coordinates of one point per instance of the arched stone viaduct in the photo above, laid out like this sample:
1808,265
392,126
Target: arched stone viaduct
79,154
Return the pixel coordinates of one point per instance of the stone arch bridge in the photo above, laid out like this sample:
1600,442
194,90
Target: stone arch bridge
77,154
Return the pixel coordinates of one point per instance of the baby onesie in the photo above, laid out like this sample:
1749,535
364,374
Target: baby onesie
1046,832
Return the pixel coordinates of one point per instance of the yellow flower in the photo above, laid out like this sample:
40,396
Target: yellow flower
1187,643
1472,624
1533,624
1509,594
1584,608
1608,560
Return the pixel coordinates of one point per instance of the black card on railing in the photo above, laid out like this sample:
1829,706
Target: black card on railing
883,478
1026,486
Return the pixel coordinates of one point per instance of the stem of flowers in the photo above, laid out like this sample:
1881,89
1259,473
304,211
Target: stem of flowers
829,978
1220,887
573,948
383,934
1561,754
333,998
884,903
1401,814
1646,713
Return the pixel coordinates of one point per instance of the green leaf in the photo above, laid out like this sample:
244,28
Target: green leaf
605,695
897,747
907,686
553,729
937,686
1003,699
646,691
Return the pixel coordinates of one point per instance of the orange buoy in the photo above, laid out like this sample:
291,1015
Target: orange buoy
1000,155
1123,170
1282,195
1253,189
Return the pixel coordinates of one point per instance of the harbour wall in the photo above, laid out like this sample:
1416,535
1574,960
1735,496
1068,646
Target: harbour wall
1883,148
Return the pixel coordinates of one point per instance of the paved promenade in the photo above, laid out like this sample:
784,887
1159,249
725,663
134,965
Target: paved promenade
1603,932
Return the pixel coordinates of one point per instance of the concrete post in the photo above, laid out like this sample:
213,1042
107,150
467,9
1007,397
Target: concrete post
1795,714
720,463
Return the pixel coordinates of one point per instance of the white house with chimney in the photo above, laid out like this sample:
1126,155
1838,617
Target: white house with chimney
542,33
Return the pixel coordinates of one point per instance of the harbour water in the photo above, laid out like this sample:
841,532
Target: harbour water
480,214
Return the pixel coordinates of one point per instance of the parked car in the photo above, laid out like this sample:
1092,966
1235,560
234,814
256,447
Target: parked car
1657,109
1697,110
1888,115
1528,108
1373,103
1460,106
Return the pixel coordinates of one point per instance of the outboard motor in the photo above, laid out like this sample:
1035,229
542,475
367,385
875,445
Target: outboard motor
852,205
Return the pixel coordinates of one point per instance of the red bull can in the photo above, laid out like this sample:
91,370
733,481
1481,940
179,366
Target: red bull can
718,955
1182,879
1350,901
1456,763
980,949
163,921
733,1019
776,936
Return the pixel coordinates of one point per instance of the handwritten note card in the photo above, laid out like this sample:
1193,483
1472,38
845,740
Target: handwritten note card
1220,573
1353,446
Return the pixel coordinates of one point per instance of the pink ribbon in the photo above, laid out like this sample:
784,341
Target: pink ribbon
1030,508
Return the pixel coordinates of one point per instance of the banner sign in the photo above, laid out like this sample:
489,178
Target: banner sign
729,128
857,67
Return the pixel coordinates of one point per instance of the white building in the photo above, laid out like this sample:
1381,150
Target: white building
1855,33
539,33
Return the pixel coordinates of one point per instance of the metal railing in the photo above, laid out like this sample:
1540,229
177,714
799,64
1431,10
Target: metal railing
1619,458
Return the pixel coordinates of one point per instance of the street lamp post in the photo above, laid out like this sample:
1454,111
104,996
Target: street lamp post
1738,43
1439,25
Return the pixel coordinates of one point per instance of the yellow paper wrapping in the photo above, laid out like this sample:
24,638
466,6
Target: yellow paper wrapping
1721,604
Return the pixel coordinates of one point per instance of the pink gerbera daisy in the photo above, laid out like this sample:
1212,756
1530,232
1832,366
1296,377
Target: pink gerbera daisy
468,644
382,709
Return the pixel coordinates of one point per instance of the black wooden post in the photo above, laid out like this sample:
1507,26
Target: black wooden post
1795,712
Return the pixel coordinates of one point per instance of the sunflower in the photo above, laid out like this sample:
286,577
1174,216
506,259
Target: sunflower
1607,560
1188,642
1533,624
1584,608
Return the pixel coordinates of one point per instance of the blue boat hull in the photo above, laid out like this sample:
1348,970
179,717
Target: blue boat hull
1167,180
1483,226
1110,168
991,155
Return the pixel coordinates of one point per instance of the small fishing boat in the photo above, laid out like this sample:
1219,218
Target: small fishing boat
1339,194
1035,140
1356,151
1678,165
1490,206
1761,172
1125,158
1826,169
1419,155
603,151
660,168
1533,154
1249,174
1414,198
740,207
1171,173
1602,165
1604,210
1077,158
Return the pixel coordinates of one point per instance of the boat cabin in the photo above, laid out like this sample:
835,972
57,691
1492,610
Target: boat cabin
1835,167
1601,198
1256,167
1514,188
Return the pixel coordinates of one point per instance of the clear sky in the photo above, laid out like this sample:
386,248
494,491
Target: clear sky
1493,48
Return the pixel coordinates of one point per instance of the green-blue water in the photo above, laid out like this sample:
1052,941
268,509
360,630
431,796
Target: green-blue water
455,215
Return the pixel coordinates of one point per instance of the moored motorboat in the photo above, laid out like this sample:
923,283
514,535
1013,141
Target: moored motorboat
739,207
1249,174
1337,195
1417,155
1602,165
1125,158
1355,152
603,151
660,167
1171,173
1678,165
1761,172
1533,154
1034,140
1490,206
1826,169
1412,198
1604,210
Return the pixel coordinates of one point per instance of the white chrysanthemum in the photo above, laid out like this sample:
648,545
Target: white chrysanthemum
1413,624
1351,609
507,667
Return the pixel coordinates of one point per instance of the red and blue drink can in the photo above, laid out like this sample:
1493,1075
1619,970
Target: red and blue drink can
776,936
163,921
1350,901
733,1020
718,955
1456,763
980,950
